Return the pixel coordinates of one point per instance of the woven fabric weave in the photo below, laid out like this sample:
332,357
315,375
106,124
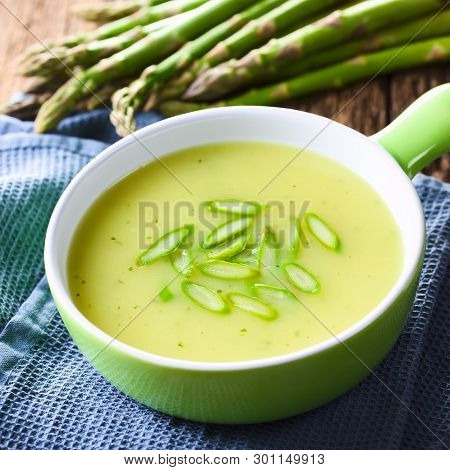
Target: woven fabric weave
51,398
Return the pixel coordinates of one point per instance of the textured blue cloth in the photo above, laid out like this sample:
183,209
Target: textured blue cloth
51,398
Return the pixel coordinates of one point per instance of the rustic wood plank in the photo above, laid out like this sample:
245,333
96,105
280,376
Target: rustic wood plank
46,19
362,106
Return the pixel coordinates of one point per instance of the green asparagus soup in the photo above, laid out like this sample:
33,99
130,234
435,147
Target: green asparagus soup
216,255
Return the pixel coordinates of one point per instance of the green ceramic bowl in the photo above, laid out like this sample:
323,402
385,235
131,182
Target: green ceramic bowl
282,386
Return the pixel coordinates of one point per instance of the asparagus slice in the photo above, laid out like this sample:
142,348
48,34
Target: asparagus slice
335,76
183,261
322,231
268,250
301,278
227,270
271,293
204,297
248,255
165,245
227,230
341,25
235,207
252,305
141,17
165,294
295,237
104,12
229,249
128,100
133,59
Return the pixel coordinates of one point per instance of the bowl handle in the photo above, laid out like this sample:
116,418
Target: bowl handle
421,133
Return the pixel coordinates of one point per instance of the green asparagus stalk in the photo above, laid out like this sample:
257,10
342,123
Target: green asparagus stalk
140,18
341,25
423,28
103,12
336,76
254,34
49,63
267,26
128,100
133,59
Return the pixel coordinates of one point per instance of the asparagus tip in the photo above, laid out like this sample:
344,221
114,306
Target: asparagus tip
122,115
207,86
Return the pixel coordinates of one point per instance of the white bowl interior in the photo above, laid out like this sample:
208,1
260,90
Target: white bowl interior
298,129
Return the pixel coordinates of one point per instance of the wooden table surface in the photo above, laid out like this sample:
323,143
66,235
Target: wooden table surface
366,108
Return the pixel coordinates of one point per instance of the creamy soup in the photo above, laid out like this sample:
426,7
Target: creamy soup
348,258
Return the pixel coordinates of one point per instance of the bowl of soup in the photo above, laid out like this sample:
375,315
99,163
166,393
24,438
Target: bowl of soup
237,265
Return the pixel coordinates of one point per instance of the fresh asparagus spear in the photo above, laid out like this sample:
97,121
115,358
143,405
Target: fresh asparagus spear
133,59
141,17
127,100
341,25
254,34
427,27
103,12
335,76
52,62
264,28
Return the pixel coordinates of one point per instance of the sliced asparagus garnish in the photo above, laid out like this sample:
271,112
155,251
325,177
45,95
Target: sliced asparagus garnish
182,261
165,294
268,293
301,278
165,245
227,270
268,250
236,207
296,234
230,248
248,255
226,231
204,297
252,305
326,235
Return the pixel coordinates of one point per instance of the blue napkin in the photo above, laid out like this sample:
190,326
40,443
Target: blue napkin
51,398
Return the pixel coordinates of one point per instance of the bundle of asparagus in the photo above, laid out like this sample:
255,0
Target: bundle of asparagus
182,55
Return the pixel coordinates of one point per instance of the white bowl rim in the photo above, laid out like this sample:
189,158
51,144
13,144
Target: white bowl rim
60,293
